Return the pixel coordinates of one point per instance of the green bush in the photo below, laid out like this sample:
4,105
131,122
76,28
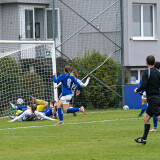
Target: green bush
96,94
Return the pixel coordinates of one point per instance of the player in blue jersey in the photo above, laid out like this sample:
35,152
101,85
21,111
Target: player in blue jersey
51,111
73,87
67,80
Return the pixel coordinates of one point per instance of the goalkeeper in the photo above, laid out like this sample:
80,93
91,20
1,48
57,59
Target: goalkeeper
41,107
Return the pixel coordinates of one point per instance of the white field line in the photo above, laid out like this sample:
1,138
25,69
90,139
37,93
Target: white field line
109,120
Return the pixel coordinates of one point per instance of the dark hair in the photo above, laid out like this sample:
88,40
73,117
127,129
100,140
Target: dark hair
150,60
75,73
157,65
53,102
67,69
33,107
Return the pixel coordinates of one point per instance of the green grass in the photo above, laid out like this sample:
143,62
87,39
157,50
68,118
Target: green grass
99,135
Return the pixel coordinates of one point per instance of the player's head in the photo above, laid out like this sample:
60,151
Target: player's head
150,60
33,107
157,65
67,69
75,73
52,103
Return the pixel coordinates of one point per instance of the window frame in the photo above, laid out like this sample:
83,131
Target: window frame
139,73
142,37
58,24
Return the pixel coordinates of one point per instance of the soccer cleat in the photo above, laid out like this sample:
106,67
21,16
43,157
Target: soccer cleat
33,100
140,140
82,109
12,105
153,130
60,123
74,114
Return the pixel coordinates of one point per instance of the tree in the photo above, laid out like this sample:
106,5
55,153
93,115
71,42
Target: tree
96,94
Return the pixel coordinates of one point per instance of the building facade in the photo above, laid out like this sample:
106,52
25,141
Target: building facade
32,20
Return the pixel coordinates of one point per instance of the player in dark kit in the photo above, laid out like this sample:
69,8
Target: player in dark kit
151,83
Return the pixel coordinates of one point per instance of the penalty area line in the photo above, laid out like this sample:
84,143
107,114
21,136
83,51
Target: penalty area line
53,125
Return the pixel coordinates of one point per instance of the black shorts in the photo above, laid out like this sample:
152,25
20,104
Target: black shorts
153,106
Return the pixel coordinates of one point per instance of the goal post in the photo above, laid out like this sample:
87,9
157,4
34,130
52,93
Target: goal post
27,69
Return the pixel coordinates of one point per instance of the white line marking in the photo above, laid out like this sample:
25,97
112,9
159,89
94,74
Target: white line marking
109,120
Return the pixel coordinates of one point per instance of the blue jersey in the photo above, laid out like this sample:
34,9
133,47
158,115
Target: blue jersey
67,80
48,111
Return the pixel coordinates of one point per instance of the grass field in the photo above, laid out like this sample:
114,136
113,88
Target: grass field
99,135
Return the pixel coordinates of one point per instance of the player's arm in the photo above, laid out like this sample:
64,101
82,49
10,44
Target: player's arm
59,79
84,84
58,85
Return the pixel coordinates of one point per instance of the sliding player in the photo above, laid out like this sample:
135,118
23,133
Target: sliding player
47,112
31,113
41,107
67,80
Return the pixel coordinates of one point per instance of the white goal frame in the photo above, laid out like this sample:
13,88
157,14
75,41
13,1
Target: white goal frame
53,57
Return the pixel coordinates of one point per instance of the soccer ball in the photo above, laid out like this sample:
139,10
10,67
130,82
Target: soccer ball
20,101
125,107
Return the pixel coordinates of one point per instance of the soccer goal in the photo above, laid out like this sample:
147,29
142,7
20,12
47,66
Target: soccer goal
26,70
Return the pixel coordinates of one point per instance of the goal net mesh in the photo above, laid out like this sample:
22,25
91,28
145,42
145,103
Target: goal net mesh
26,70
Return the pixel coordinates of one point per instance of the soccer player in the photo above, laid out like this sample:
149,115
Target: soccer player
75,74
41,107
67,80
155,120
150,83
47,112
31,113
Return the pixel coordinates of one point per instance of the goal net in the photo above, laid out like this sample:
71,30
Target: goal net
26,70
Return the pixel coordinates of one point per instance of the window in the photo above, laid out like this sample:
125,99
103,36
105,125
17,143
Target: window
137,73
49,24
134,73
29,23
143,21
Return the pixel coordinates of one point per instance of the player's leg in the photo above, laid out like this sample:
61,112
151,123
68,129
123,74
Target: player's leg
60,112
42,104
144,104
71,110
155,122
143,139
71,105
